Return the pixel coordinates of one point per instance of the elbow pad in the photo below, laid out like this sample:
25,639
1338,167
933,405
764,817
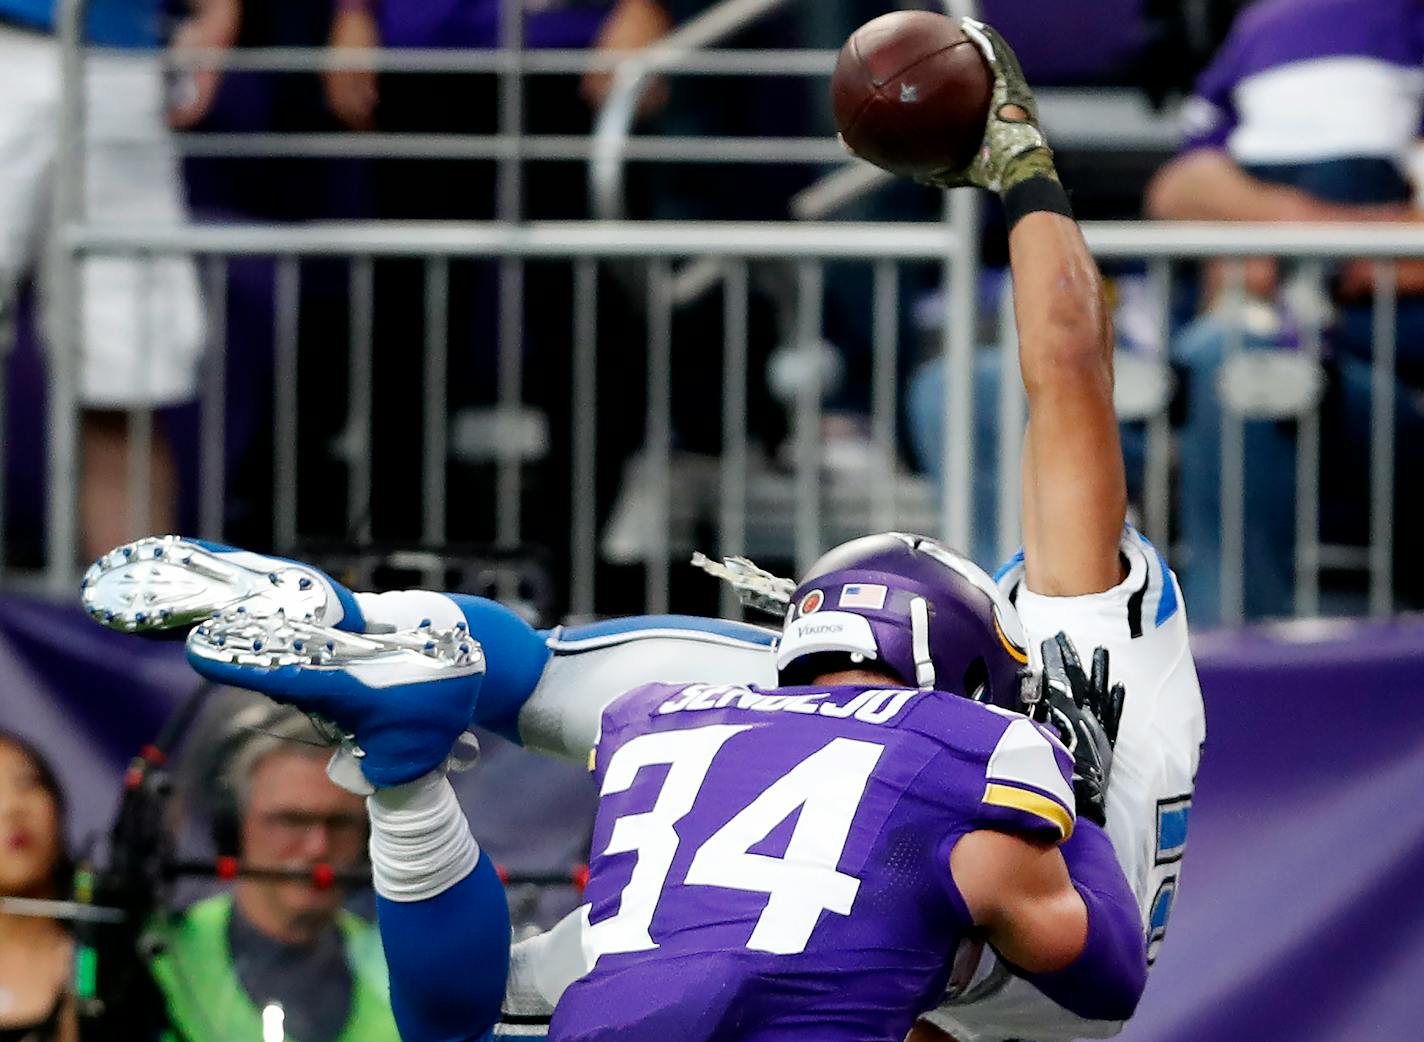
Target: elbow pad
1107,978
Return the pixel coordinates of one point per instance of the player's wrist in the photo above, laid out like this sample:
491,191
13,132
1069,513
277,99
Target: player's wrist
1035,188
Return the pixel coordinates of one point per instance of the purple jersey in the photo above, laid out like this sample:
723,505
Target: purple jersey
775,864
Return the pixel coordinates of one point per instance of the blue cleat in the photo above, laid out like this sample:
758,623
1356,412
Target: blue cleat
400,702
169,582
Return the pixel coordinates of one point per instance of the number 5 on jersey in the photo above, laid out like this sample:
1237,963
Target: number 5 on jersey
827,786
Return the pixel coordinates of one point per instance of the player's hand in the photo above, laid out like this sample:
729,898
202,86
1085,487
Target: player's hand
1086,713
215,27
1014,147
351,94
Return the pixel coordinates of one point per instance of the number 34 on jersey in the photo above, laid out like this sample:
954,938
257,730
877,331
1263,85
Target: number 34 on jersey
732,818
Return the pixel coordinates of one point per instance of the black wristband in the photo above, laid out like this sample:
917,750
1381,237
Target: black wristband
1037,194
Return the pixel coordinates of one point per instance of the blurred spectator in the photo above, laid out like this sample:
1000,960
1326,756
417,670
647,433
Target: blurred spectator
36,954
459,189
228,960
1308,114
140,325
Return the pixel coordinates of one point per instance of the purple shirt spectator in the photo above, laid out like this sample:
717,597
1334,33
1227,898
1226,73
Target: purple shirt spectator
475,23
1302,81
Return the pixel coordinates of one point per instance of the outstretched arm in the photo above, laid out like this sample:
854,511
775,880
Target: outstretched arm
1072,465
1075,495
1206,184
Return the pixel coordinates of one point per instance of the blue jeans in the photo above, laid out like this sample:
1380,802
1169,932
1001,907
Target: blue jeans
1270,449
924,414
1269,536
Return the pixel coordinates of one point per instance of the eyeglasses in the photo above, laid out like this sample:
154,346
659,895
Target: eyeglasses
293,825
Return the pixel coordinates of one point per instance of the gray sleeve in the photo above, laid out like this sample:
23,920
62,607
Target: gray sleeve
540,968
562,716
1014,1008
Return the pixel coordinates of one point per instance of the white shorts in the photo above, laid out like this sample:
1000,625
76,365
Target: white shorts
142,327
1142,622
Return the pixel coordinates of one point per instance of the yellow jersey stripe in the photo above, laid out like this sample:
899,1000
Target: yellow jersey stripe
1031,803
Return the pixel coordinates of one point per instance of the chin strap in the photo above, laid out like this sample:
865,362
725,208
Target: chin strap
756,587
920,642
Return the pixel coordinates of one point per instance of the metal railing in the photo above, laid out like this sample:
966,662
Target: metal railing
797,513
730,250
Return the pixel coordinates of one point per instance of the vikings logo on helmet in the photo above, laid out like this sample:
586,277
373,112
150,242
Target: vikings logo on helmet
915,608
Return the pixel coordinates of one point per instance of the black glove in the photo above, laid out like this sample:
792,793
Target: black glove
1086,713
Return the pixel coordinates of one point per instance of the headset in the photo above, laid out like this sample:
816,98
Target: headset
256,722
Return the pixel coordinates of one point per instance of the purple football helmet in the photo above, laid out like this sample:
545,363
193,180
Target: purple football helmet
913,607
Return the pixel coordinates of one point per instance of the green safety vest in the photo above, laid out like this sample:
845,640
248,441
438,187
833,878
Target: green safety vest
205,998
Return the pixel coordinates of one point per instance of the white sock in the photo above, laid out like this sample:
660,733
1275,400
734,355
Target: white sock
421,844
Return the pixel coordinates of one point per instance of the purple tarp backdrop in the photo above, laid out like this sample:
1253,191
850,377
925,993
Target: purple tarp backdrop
1299,918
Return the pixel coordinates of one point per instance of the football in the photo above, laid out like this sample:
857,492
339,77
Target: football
911,93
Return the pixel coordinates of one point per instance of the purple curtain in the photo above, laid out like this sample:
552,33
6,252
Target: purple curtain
1298,918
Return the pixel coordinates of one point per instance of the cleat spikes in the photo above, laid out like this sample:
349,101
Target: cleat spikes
177,583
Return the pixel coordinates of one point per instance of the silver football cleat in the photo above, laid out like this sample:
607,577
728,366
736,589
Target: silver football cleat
245,650
240,637
166,582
